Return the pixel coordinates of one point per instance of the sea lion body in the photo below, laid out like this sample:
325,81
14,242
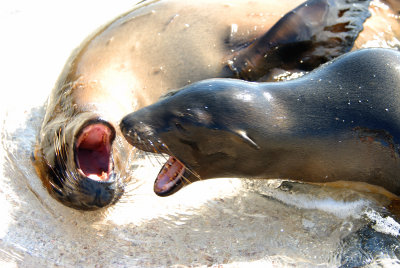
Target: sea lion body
81,156
339,122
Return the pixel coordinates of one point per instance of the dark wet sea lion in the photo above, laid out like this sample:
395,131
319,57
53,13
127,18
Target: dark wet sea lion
81,156
339,122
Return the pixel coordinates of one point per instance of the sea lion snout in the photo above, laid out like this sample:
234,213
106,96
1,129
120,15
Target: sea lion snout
77,162
174,174
130,127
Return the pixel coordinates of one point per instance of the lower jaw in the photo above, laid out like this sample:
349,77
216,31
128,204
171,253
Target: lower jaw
170,178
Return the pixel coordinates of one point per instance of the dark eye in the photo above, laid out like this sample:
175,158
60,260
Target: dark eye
180,127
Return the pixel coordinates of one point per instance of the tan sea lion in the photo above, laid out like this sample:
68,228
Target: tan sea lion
81,156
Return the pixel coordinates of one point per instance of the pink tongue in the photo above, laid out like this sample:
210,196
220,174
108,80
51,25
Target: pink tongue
169,175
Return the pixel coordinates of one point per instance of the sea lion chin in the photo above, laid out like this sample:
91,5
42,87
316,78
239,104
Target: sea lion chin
338,123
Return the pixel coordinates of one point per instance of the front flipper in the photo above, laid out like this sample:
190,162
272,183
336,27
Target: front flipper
311,34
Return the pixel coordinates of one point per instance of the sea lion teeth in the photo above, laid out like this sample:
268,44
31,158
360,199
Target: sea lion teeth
167,180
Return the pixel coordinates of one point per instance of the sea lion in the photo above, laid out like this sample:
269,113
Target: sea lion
339,122
81,156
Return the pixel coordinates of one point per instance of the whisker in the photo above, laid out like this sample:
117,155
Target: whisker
151,147
64,173
188,168
55,186
132,158
186,179
53,169
160,155
194,173
150,156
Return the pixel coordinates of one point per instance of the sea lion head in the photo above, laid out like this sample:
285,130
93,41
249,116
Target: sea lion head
201,132
78,158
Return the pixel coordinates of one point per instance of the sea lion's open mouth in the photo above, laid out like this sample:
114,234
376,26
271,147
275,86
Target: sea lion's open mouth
93,151
170,178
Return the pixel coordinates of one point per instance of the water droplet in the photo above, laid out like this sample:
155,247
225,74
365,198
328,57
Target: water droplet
234,28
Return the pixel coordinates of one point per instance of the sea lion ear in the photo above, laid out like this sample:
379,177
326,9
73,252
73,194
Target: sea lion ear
311,34
241,134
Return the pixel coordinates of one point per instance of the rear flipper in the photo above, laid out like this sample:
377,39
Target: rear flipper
311,34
